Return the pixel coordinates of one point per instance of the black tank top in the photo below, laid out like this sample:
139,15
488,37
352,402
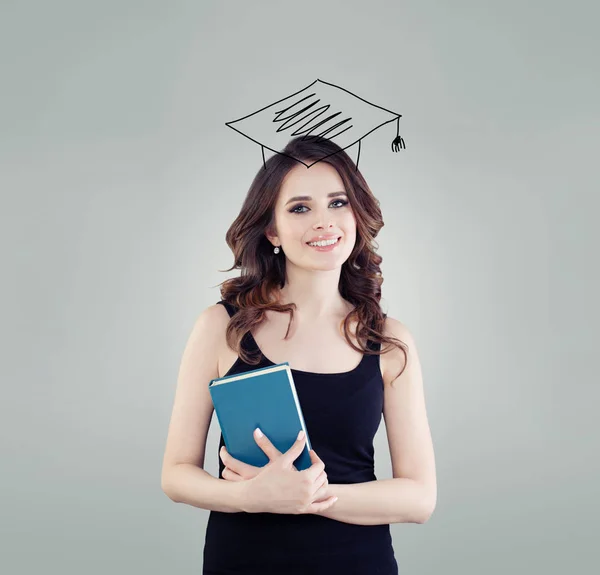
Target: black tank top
342,412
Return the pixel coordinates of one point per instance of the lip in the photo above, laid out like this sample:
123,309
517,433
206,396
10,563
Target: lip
324,237
326,248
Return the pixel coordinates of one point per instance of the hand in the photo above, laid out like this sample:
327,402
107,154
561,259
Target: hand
236,470
279,487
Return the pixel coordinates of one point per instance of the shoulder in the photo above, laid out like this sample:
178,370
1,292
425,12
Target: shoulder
395,358
215,315
210,326
395,328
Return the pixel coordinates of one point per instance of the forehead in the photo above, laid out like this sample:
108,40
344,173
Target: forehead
316,181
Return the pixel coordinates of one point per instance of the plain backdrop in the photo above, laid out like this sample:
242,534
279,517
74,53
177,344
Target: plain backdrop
119,180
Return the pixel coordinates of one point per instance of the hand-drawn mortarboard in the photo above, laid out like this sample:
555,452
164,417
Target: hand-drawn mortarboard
320,110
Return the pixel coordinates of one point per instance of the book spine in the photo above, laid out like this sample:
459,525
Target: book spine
299,409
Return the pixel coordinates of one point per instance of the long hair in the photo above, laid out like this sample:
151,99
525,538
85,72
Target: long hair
263,273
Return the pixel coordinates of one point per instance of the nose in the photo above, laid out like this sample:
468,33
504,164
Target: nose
324,222
320,227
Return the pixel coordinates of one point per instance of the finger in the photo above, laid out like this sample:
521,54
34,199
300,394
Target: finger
314,457
316,468
294,451
231,475
320,488
321,481
315,507
236,465
322,493
265,444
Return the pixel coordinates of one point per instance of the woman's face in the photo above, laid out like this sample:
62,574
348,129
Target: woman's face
299,221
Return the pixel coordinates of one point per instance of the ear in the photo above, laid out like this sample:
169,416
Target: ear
273,239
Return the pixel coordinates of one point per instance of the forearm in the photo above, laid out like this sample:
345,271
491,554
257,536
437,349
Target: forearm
397,500
192,485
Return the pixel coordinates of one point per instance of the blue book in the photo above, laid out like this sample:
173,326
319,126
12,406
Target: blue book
265,397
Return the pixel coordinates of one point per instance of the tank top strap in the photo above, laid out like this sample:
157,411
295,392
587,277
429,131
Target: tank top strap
375,345
231,309
248,343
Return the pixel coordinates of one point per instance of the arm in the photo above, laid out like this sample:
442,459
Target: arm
184,479
397,500
192,485
411,495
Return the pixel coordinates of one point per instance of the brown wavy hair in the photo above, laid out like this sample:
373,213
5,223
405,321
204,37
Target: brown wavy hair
262,274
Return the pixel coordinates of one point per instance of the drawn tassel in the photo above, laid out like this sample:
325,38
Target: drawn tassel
398,142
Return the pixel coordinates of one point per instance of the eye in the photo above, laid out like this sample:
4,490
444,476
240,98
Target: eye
293,210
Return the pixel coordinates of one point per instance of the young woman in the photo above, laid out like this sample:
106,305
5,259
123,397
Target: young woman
308,294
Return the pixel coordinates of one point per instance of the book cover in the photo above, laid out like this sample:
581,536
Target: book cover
265,397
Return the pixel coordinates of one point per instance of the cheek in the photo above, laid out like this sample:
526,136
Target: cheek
349,224
292,230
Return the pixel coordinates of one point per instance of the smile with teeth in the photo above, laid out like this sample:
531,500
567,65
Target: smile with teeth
324,243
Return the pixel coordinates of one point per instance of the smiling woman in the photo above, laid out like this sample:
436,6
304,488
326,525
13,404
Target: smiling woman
261,519
289,205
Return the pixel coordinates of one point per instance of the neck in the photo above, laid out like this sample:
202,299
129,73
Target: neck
315,293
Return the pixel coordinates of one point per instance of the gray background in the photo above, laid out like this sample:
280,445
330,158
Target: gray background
119,180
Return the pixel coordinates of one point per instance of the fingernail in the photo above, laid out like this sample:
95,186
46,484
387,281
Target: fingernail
301,434
259,433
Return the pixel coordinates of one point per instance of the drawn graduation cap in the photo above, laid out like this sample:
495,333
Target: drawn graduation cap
321,110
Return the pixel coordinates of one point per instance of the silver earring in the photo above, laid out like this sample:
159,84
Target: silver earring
276,250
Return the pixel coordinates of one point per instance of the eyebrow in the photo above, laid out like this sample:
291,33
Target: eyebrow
308,198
